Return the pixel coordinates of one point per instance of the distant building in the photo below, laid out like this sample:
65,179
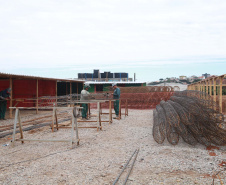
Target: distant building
206,75
176,86
201,77
107,76
182,77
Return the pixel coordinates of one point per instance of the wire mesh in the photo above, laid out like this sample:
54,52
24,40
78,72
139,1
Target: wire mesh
191,115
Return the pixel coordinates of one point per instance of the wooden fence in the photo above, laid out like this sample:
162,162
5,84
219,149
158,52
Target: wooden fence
214,86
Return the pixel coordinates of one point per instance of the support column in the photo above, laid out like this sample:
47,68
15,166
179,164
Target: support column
210,85
203,86
56,94
11,99
214,90
37,96
70,94
77,90
220,94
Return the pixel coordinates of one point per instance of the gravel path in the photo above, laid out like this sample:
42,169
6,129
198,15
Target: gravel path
101,155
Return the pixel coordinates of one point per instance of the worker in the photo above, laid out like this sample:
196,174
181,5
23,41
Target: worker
116,96
85,97
3,102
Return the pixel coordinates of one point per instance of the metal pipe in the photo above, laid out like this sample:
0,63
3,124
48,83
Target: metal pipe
131,168
116,180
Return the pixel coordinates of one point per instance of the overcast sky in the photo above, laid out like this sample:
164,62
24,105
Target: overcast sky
152,38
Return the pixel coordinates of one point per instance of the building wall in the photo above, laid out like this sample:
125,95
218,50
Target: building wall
26,89
63,88
93,88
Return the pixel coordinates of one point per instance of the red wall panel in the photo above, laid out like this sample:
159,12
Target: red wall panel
26,89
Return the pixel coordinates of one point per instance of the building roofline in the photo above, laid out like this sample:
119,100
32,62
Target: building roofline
16,76
119,82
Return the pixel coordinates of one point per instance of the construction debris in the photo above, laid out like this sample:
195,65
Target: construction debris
191,115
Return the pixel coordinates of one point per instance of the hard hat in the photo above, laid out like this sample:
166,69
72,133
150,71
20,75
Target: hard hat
9,90
86,86
114,84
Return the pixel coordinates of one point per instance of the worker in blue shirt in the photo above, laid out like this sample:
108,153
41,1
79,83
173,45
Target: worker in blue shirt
3,101
116,96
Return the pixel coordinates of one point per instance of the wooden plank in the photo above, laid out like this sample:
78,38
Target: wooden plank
87,121
78,127
43,140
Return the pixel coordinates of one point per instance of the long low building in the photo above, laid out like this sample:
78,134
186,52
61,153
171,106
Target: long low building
103,86
32,87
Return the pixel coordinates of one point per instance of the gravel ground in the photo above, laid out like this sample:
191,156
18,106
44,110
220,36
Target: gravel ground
101,155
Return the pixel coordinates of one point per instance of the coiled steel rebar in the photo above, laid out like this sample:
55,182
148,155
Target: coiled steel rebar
191,115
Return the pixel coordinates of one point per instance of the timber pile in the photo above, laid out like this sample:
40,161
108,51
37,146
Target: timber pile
191,115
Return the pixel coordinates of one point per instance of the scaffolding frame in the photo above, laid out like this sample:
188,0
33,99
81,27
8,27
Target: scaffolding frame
74,128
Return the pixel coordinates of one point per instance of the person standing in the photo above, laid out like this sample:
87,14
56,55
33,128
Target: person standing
84,97
3,102
116,96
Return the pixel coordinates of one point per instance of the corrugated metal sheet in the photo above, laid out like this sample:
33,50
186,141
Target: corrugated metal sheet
8,75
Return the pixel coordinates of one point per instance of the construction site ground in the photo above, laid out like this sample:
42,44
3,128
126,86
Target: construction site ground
101,155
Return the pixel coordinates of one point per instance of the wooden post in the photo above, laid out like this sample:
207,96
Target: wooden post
53,119
37,96
70,94
11,98
14,128
56,94
98,117
203,86
214,89
120,110
110,112
66,93
75,123
100,108
20,127
127,112
56,119
210,85
220,94
77,91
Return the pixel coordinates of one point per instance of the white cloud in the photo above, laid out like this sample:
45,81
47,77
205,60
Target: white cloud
50,33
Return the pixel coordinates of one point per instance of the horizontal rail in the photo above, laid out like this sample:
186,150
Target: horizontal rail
44,140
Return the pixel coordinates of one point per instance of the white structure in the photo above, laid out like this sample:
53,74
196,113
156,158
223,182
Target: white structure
182,87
